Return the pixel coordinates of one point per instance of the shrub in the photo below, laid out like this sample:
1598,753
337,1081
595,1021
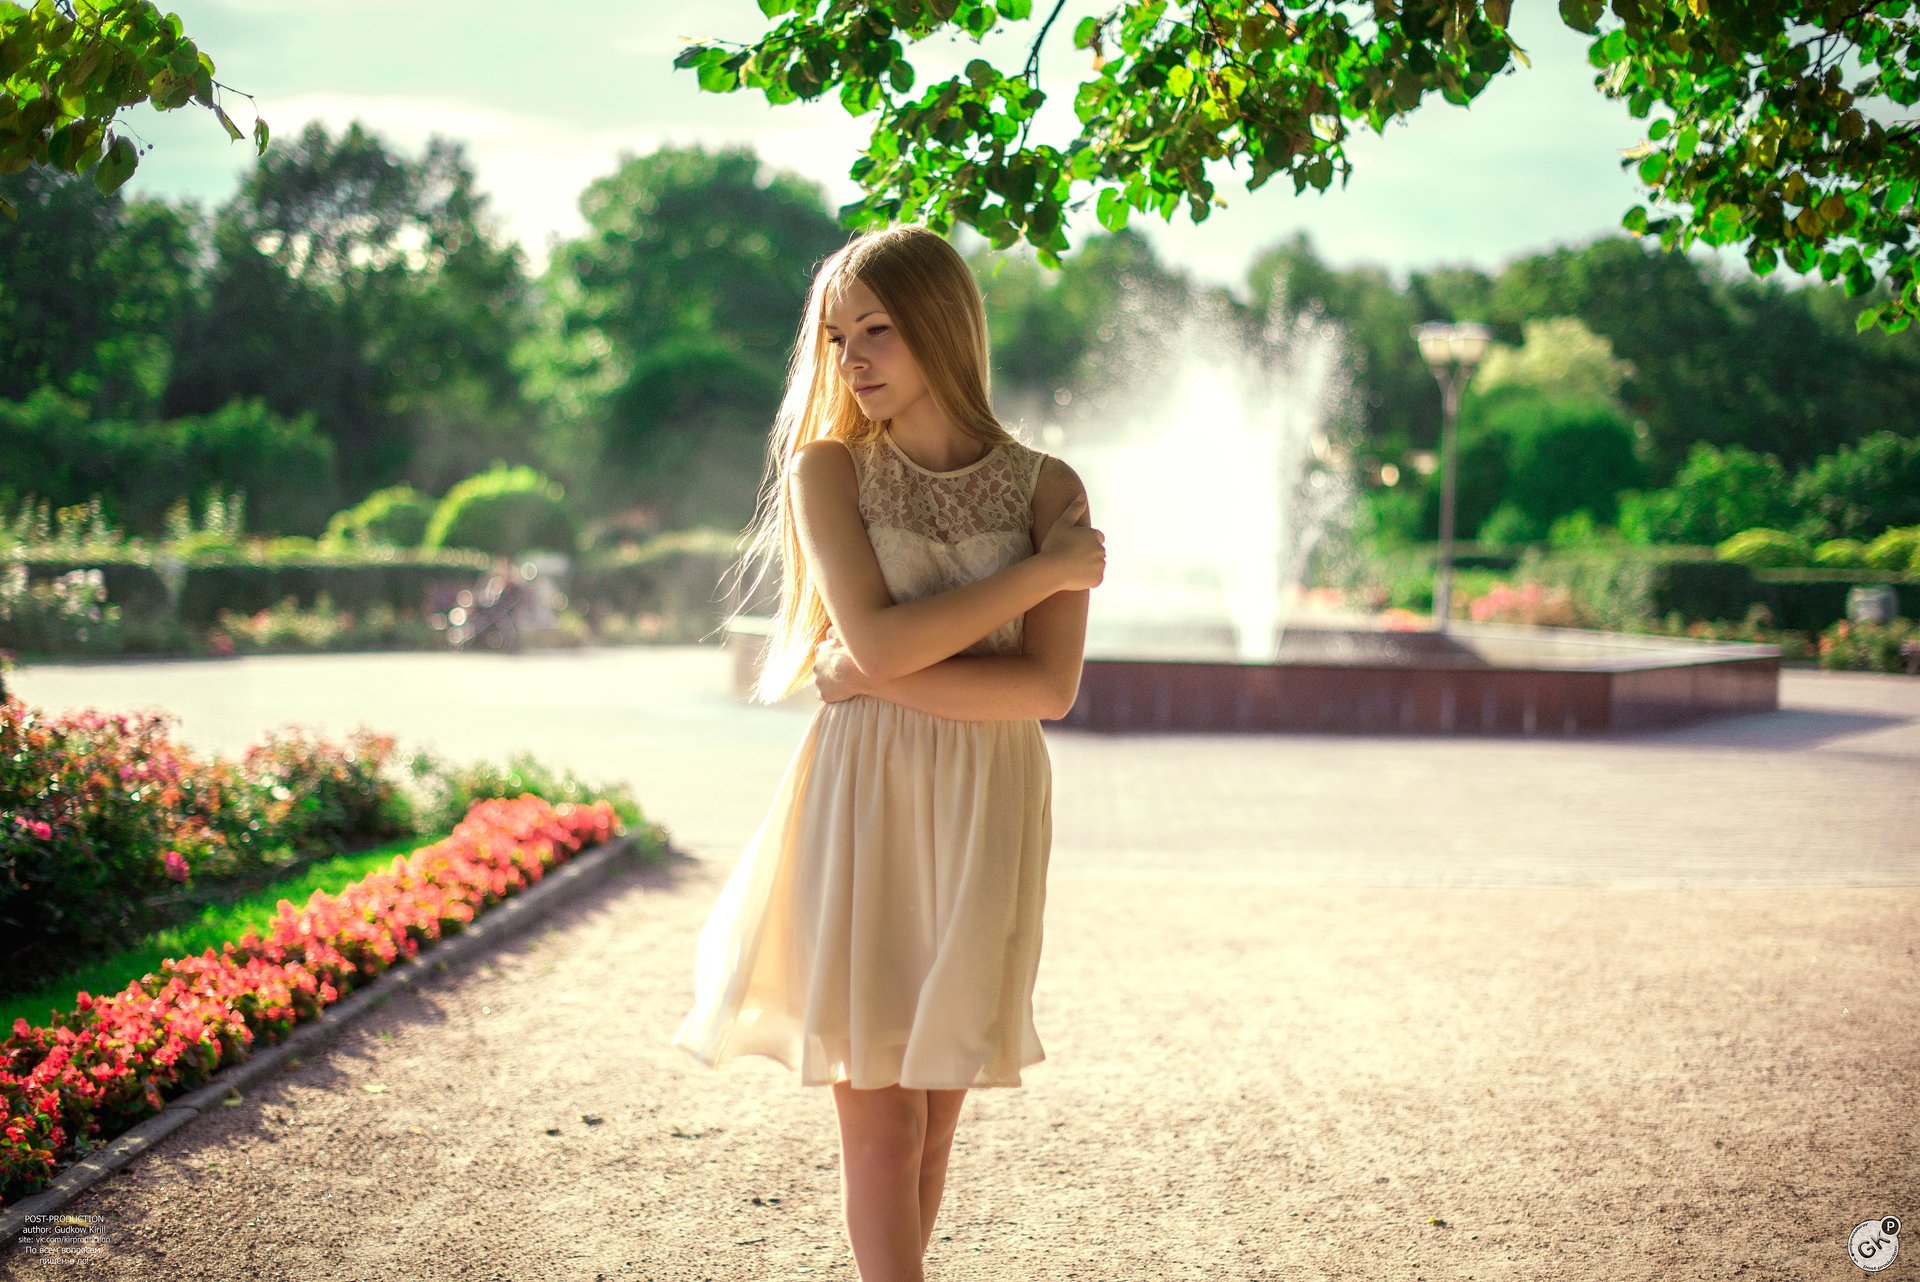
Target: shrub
1758,626
96,1070
204,545
70,614
1864,487
504,512
1894,550
1715,494
1626,590
397,516
1841,554
1867,647
441,792
138,468
1764,549
104,812
1527,457
292,547
1509,526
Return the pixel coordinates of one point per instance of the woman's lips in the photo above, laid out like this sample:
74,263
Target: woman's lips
868,387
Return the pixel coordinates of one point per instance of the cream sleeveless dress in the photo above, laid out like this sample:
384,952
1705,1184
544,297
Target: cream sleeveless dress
883,926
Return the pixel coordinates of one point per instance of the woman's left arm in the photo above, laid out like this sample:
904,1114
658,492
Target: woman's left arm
1040,682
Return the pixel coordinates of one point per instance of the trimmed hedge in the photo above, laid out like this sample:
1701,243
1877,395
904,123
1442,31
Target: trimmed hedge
1622,589
245,586
1813,600
682,576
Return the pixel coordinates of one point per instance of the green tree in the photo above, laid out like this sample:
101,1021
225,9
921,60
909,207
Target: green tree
368,288
1050,329
1397,401
1759,113
1560,357
91,288
67,69
662,344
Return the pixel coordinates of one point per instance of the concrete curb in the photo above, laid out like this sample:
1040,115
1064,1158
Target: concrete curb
583,872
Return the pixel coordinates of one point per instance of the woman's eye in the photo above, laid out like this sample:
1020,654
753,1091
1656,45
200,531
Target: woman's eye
833,341
876,329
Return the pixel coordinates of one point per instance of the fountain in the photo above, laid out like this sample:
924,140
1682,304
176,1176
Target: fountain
1217,479
1210,457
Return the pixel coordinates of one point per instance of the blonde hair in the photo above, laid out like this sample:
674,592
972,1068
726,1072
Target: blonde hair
929,294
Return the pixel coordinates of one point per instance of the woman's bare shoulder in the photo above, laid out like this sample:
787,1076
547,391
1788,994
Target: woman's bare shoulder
826,459
1056,480
1054,488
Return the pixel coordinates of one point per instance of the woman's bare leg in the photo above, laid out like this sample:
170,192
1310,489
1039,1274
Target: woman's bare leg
882,1139
943,1115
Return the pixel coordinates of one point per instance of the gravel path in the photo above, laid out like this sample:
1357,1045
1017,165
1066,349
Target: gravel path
1491,1044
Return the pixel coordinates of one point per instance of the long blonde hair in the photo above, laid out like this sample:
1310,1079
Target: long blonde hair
930,295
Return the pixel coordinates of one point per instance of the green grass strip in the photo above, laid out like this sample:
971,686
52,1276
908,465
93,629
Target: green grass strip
217,924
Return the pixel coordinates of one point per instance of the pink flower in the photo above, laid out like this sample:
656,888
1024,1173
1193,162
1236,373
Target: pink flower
176,866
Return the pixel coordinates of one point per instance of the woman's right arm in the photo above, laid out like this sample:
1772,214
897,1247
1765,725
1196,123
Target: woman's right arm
887,640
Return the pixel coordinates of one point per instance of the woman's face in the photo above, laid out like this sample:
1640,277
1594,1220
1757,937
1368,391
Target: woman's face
873,362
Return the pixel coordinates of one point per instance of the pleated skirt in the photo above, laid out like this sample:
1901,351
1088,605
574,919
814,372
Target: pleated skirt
883,925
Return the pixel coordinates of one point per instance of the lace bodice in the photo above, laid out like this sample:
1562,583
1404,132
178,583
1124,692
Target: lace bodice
935,531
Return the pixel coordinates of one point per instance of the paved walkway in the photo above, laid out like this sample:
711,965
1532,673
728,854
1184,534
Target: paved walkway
1314,1006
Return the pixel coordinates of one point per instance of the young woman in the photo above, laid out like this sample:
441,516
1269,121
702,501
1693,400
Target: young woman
881,932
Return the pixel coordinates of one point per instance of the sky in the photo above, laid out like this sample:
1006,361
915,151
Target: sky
546,100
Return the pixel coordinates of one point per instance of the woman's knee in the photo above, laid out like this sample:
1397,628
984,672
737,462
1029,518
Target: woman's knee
943,1118
888,1123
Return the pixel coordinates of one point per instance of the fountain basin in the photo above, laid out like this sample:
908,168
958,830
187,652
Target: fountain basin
1471,679
1475,678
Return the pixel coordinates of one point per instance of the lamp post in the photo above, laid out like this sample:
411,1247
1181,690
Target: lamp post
1451,352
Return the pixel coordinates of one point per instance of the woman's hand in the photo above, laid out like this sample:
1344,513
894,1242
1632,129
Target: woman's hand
1079,551
834,675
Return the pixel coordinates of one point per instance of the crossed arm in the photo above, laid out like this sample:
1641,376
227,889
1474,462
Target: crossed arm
908,653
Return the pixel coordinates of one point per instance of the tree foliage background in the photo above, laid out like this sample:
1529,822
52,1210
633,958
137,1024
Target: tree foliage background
351,319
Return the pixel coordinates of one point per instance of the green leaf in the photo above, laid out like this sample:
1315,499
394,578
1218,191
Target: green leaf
1635,220
1112,210
1581,15
1685,142
714,76
226,121
1865,320
900,76
116,166
774,8
1659,129
1652,167
1014,10
981,73
1084,32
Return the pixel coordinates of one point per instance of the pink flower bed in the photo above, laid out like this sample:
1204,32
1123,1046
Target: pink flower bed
1533,604
97,1070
